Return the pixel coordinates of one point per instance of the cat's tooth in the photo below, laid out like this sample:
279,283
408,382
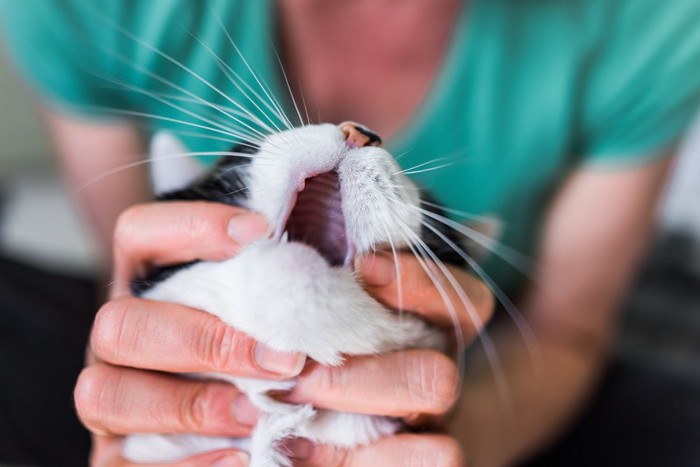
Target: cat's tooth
285,237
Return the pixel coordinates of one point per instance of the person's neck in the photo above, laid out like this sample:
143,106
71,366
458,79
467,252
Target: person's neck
368,60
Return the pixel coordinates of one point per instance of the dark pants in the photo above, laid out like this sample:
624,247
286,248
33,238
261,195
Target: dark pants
44,323
641,416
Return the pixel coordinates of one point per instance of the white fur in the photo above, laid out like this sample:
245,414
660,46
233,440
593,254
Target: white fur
377,200
284,293
171,169
287,296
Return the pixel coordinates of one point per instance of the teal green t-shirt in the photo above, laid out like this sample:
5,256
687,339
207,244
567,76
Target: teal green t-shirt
528,90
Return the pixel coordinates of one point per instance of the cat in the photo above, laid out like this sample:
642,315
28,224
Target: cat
331,194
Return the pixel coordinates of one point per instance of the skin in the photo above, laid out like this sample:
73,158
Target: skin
117,394
594,216
76,142
423,382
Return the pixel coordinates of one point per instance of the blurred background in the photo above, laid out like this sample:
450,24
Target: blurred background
658,353
39,223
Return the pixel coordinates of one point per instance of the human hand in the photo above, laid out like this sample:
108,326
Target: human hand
137,346
419,386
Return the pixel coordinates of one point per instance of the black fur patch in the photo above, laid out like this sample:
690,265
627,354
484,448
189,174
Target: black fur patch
438,246
157,275
224,183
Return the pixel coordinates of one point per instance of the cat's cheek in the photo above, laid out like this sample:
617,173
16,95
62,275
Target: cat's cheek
288,297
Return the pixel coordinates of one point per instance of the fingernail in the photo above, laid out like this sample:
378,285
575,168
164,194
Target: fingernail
244,228
300,449
244,411
377,270
282,363
239,459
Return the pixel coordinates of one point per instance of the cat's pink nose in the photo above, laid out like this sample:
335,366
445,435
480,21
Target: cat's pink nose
357,136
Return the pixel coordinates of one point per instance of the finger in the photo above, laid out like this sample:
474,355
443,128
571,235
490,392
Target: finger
169,337
399,384
106,452
115,400
426,295
178,232
404,449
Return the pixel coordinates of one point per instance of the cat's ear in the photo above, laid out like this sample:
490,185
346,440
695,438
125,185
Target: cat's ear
171,168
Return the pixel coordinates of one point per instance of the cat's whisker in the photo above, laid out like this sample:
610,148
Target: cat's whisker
213,115
464,214
241,140
454,157
146,127
401,155
239,83
113,283
414,169
92,180
429,169
513,257
286,81
397,269
407,237
244,128
430,271
486,342
175,62
131,113
264,88
230,130
303,101
521,323
194,134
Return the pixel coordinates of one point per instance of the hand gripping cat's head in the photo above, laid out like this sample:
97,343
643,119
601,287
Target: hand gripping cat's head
329,186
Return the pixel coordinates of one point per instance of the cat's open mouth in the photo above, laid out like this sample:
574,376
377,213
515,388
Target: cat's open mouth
316,219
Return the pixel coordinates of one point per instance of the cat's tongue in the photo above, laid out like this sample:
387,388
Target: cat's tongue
317,219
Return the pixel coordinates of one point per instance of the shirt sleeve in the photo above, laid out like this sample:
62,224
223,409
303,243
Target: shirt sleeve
643,87
55,48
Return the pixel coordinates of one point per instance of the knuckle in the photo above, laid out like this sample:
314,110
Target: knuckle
447,383
206,408
127,222
108,328
433,451
220,347
89,394
194,407
340,457
328,380
449,454
433,384
196,221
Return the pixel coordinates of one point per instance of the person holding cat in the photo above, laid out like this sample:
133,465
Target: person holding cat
568,112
